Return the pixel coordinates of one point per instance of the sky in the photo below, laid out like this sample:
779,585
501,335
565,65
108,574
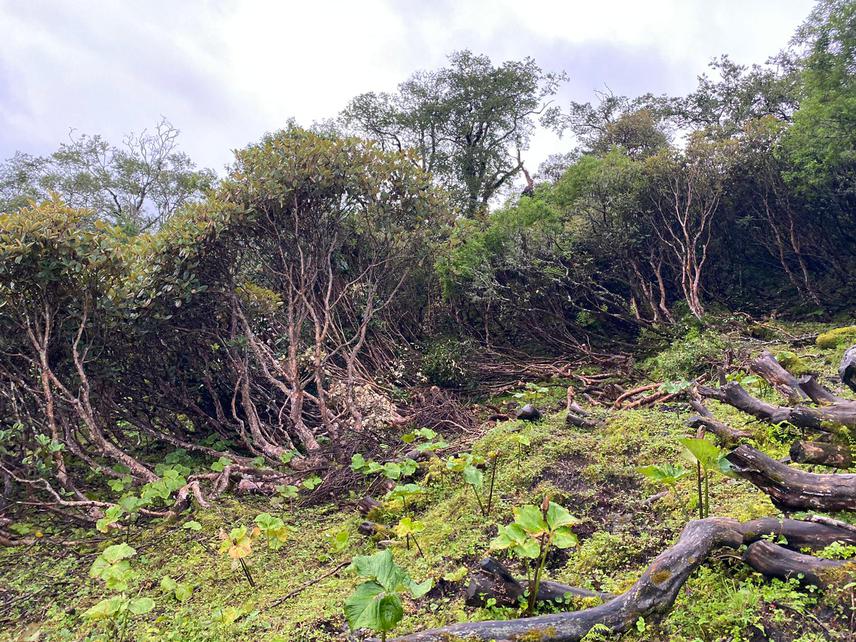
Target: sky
225,72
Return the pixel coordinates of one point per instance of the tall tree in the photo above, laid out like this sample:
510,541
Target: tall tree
468,123
137,185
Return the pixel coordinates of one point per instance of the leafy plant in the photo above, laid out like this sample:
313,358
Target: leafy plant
274,530
238,545
376,603
706,456
113,568
531,393
407,529
665,474
403,492
337,540
179,590
467,464
532,533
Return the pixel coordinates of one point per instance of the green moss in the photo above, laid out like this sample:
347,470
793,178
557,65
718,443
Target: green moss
837,337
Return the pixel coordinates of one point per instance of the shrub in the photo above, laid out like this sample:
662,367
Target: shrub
688,357
444,363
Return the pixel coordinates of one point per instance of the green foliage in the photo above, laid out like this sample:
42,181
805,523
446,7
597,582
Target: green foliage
532,533
445,363
708,458
376,604
687,357
113,567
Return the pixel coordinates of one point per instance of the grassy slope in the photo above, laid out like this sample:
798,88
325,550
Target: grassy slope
590,472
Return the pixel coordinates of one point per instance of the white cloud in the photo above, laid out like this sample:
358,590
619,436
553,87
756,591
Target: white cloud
226,72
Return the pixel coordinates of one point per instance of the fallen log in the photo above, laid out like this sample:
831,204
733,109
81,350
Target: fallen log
821,453
792,489
653,594
773,373
815,391
798,534
735,395
727,435
493,580
773,560
825,418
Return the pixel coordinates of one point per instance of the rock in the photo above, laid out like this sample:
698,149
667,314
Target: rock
848,368
529,413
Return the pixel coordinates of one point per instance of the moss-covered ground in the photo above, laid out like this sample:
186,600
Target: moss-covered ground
301,587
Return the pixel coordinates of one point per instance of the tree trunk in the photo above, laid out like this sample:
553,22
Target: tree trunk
821,453
783,381
776,561
791,489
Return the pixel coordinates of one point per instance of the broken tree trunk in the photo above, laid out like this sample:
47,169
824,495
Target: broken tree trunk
815,391
653,594
791,489
493,580
777,561
798,534
773,373
735,395
821,453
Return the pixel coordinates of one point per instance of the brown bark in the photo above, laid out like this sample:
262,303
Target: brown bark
773,373
493,580
798,534
815,391
791,489
777,561
821,453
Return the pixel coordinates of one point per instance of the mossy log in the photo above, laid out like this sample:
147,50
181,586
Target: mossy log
493,580
791,489
783,381
821,453
777,561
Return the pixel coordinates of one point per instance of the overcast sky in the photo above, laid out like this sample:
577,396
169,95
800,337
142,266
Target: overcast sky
225,72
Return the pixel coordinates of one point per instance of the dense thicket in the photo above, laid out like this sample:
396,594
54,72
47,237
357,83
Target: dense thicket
262,319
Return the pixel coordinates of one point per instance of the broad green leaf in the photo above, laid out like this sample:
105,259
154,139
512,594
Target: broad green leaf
381,568
564,538
117,552
703,451
183,592
105,608
141,605
358,606
473,476
192,526
418,589
558,516
530,519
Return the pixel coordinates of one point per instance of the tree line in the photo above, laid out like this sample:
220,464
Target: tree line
273,314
